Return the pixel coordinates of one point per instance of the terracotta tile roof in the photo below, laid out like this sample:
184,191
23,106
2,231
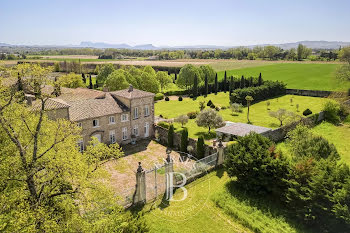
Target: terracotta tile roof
241,129
134,94
78,94
50,104
93,108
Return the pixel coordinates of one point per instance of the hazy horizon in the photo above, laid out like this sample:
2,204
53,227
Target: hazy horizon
180,23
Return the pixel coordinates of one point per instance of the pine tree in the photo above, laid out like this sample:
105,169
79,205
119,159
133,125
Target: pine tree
242,85
260,81
90,85
200,148
225,82
206,86
216,84
184,140
171,136
231,85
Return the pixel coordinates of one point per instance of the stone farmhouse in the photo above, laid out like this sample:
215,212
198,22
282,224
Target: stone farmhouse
122,117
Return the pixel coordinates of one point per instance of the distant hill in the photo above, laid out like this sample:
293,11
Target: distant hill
102,45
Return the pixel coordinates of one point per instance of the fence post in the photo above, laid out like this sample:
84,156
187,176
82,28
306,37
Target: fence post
140,192
169,168
220,152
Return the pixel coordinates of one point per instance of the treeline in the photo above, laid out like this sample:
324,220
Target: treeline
241,53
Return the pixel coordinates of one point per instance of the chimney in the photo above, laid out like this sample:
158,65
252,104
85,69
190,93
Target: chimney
130,88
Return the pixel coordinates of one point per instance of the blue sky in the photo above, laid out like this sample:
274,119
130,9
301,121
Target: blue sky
176,22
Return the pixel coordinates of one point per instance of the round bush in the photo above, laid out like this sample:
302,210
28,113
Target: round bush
210,103
167,98
158,96
192,115
180,98
307,112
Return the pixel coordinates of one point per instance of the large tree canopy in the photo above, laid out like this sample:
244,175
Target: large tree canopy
46,184
186,76
208,72
104,71
71,80
117,80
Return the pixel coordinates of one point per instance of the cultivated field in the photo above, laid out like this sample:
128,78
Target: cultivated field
296,75
259,114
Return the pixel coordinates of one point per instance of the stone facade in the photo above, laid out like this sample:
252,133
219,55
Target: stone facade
112,117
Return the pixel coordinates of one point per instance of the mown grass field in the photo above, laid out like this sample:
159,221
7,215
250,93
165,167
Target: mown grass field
259,114
296,75
222,208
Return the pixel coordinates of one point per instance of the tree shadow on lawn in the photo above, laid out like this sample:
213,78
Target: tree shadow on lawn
206,135
265,203
138,147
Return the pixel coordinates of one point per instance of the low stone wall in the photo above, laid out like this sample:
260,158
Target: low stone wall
312,93
163,139
279,134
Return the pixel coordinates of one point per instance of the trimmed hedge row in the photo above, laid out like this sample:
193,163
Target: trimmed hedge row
268,90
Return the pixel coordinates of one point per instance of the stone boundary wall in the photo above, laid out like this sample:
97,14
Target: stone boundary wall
279,134
163,139
312,93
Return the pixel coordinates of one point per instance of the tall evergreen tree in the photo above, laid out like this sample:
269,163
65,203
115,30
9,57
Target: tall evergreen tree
231,85
195,86
184,140
242,84
251,82
260,81
175,76
83,77
19,83
206,86
200,148
225,82
216,84
90,85
171,136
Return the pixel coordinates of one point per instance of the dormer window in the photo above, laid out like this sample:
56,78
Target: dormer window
95,123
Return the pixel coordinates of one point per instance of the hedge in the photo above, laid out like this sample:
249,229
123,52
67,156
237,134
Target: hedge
267,90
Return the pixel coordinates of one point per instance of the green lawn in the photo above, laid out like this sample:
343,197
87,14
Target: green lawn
259,115
295,75
211,207
338,135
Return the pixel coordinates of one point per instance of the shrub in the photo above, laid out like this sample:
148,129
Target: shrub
217,108
158,96
223,107
212,106
267,90
235,107
164,124
200,148
210,103
307,112
256,164
192,115
180,98
171,136
167,98
332,111
191,96
184,140
182,119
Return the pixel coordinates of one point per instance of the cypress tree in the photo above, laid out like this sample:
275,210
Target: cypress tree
225,82
242,84
19,83
184,140
260,81
171,136
216,84
200,148
83,77
206,86
90,79
175,76
251,82
231,85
